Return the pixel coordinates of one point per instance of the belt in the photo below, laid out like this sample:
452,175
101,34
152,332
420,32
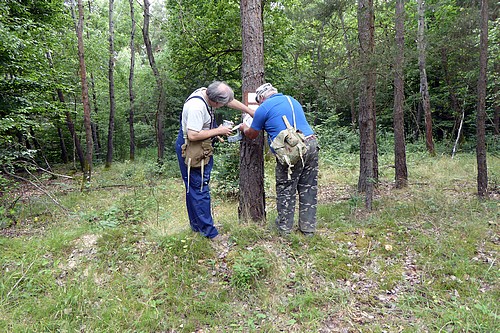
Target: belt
310,137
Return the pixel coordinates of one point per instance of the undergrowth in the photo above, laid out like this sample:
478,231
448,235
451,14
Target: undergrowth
120,257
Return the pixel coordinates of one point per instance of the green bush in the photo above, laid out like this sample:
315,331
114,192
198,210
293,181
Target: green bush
248,268
226,172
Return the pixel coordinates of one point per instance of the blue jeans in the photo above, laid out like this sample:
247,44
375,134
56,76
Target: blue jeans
197,196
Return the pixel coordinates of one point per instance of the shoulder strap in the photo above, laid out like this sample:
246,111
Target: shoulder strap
199,97
293,112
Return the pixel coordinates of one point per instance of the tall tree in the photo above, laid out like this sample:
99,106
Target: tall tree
252,196
350,63
69,122
131,83
160,106
401,176
424,86
111,80
482,169
85,96
496,100
368,165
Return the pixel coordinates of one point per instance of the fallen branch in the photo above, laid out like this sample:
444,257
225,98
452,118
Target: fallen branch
38,187
20,279
54,174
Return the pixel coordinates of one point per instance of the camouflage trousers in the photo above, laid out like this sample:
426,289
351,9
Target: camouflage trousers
304,181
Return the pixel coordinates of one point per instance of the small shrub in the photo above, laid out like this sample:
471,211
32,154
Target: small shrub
226,170
248,268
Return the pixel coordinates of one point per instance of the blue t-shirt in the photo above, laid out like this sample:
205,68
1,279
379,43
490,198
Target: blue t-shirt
268,116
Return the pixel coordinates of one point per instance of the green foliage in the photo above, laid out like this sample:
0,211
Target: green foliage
249,267
336,141
226,173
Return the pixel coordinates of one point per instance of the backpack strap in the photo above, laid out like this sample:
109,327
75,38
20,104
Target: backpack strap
293,112
295,128
212,125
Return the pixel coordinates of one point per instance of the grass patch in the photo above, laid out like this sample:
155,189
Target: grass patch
122,258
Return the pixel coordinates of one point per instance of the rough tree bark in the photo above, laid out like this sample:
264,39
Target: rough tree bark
424,87
87,173
160,108
401,176
350,63
496,101
368,163
111,82
71,127
131,83
482,169
252,196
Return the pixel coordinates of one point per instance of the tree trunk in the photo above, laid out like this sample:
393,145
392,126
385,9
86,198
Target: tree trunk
64,151
160,139
350,64
131,83
482,169
424,87
451,90
111,80
76,140
367,173
95,126
496,101
85,96
71,127
252,196
401,176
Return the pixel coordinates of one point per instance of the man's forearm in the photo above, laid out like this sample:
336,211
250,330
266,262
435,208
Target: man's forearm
237,105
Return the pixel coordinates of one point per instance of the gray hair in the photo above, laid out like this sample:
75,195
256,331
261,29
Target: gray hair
220,92
264,91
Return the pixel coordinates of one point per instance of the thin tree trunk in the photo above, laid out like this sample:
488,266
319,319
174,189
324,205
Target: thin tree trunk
482,169
459,133
367,176
85,97
159,83
95,126
401,176
64,150
350,64
252,196
131,83
424,87
418,120
111,80
496,101
76,140
71,127
451,90
39,147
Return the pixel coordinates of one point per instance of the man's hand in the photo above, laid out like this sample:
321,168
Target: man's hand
248,131
223,130
205,134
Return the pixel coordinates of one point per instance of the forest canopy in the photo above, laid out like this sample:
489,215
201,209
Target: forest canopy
310,51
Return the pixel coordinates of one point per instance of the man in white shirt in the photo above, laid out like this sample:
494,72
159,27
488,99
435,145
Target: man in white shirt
197,123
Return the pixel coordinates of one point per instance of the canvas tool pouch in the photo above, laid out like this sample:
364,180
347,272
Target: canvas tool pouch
196,155
289,146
